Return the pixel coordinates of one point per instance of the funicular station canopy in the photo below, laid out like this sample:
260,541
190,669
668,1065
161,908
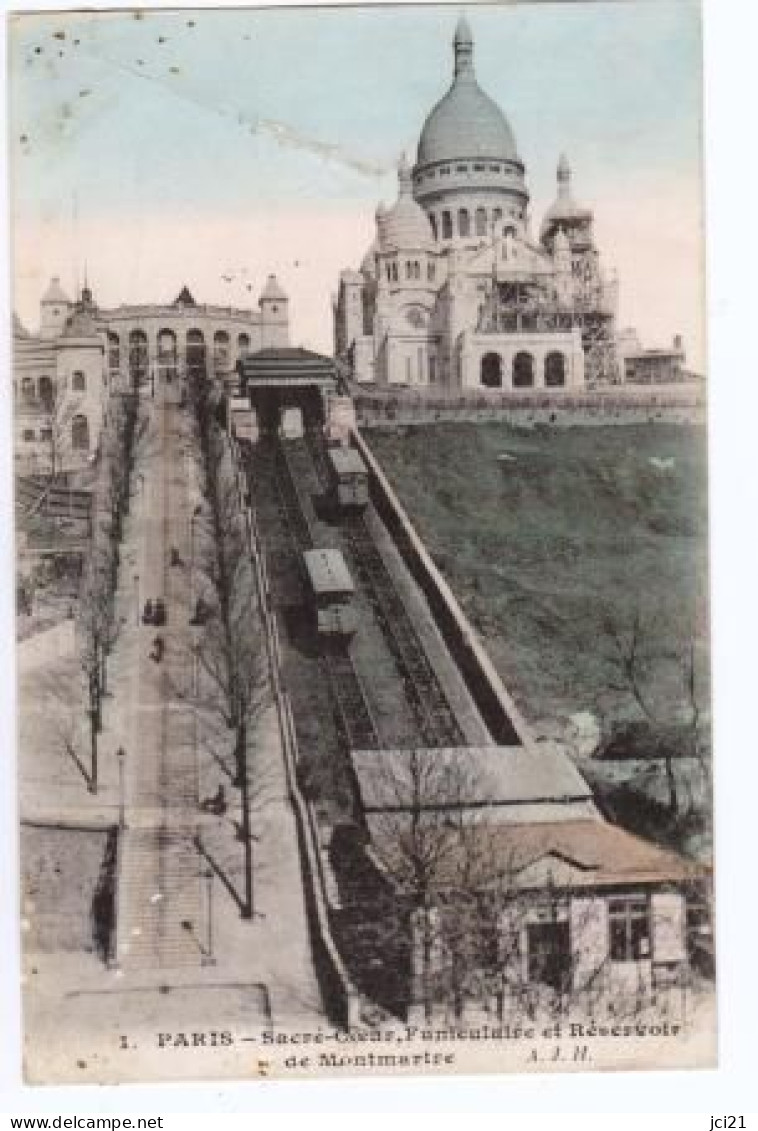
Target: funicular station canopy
276,379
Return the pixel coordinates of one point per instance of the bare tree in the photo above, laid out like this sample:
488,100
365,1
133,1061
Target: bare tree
231,651
58,412
98,627
678,725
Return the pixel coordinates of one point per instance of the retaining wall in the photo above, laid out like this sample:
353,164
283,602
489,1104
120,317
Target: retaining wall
503,719
620,406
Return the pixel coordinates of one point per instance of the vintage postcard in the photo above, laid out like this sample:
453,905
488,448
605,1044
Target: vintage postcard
362,609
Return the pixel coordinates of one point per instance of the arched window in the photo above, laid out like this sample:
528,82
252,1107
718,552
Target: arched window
221,349
167,354
78,381
114,350
243,345
497,215
555,369
464,224
195,350
491,372
389,273
481,221
430,272
80,434
167,346
417,270
523,370
138,356
46,392
394,272
433,222
27,389
447,226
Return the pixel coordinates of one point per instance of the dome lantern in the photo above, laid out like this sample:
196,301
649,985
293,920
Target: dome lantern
463,48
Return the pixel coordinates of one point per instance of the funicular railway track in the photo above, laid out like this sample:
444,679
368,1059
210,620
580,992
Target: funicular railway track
288,533
436,720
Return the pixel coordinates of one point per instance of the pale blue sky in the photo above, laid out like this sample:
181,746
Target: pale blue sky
229,115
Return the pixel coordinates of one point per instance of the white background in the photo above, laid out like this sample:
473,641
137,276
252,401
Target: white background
731,94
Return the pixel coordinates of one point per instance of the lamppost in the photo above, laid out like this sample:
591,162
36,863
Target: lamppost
195,668
121,756
197,512
208,959
136,594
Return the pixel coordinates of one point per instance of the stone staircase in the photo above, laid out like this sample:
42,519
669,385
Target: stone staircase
161,918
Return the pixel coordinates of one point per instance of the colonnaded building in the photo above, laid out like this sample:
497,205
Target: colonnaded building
62,373
455,292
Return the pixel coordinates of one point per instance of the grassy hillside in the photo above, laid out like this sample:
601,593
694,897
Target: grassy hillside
547,535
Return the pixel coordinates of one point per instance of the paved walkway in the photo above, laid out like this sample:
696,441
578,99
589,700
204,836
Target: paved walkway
179,922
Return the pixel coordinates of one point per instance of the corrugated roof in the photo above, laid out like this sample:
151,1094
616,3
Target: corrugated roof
454,777
287,365
581,854
327,571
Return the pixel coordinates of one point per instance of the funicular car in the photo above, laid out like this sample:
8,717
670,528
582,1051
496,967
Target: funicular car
349,478
331,592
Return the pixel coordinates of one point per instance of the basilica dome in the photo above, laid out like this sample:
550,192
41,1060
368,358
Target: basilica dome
466,122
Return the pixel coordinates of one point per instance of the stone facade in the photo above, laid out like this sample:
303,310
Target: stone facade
455,276
63,374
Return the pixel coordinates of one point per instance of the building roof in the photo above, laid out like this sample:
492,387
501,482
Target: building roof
287,365
184,298
466,123
80,324
19,329
273,291
466,777
575,855
55,292
327,571
347,461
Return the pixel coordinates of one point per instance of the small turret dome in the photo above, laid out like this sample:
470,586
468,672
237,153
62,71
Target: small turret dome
272,292
55,292
406,225
564,210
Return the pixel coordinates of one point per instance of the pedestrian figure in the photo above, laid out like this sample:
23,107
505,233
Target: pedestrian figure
200,614
147,612
216,804
176,558
156,653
